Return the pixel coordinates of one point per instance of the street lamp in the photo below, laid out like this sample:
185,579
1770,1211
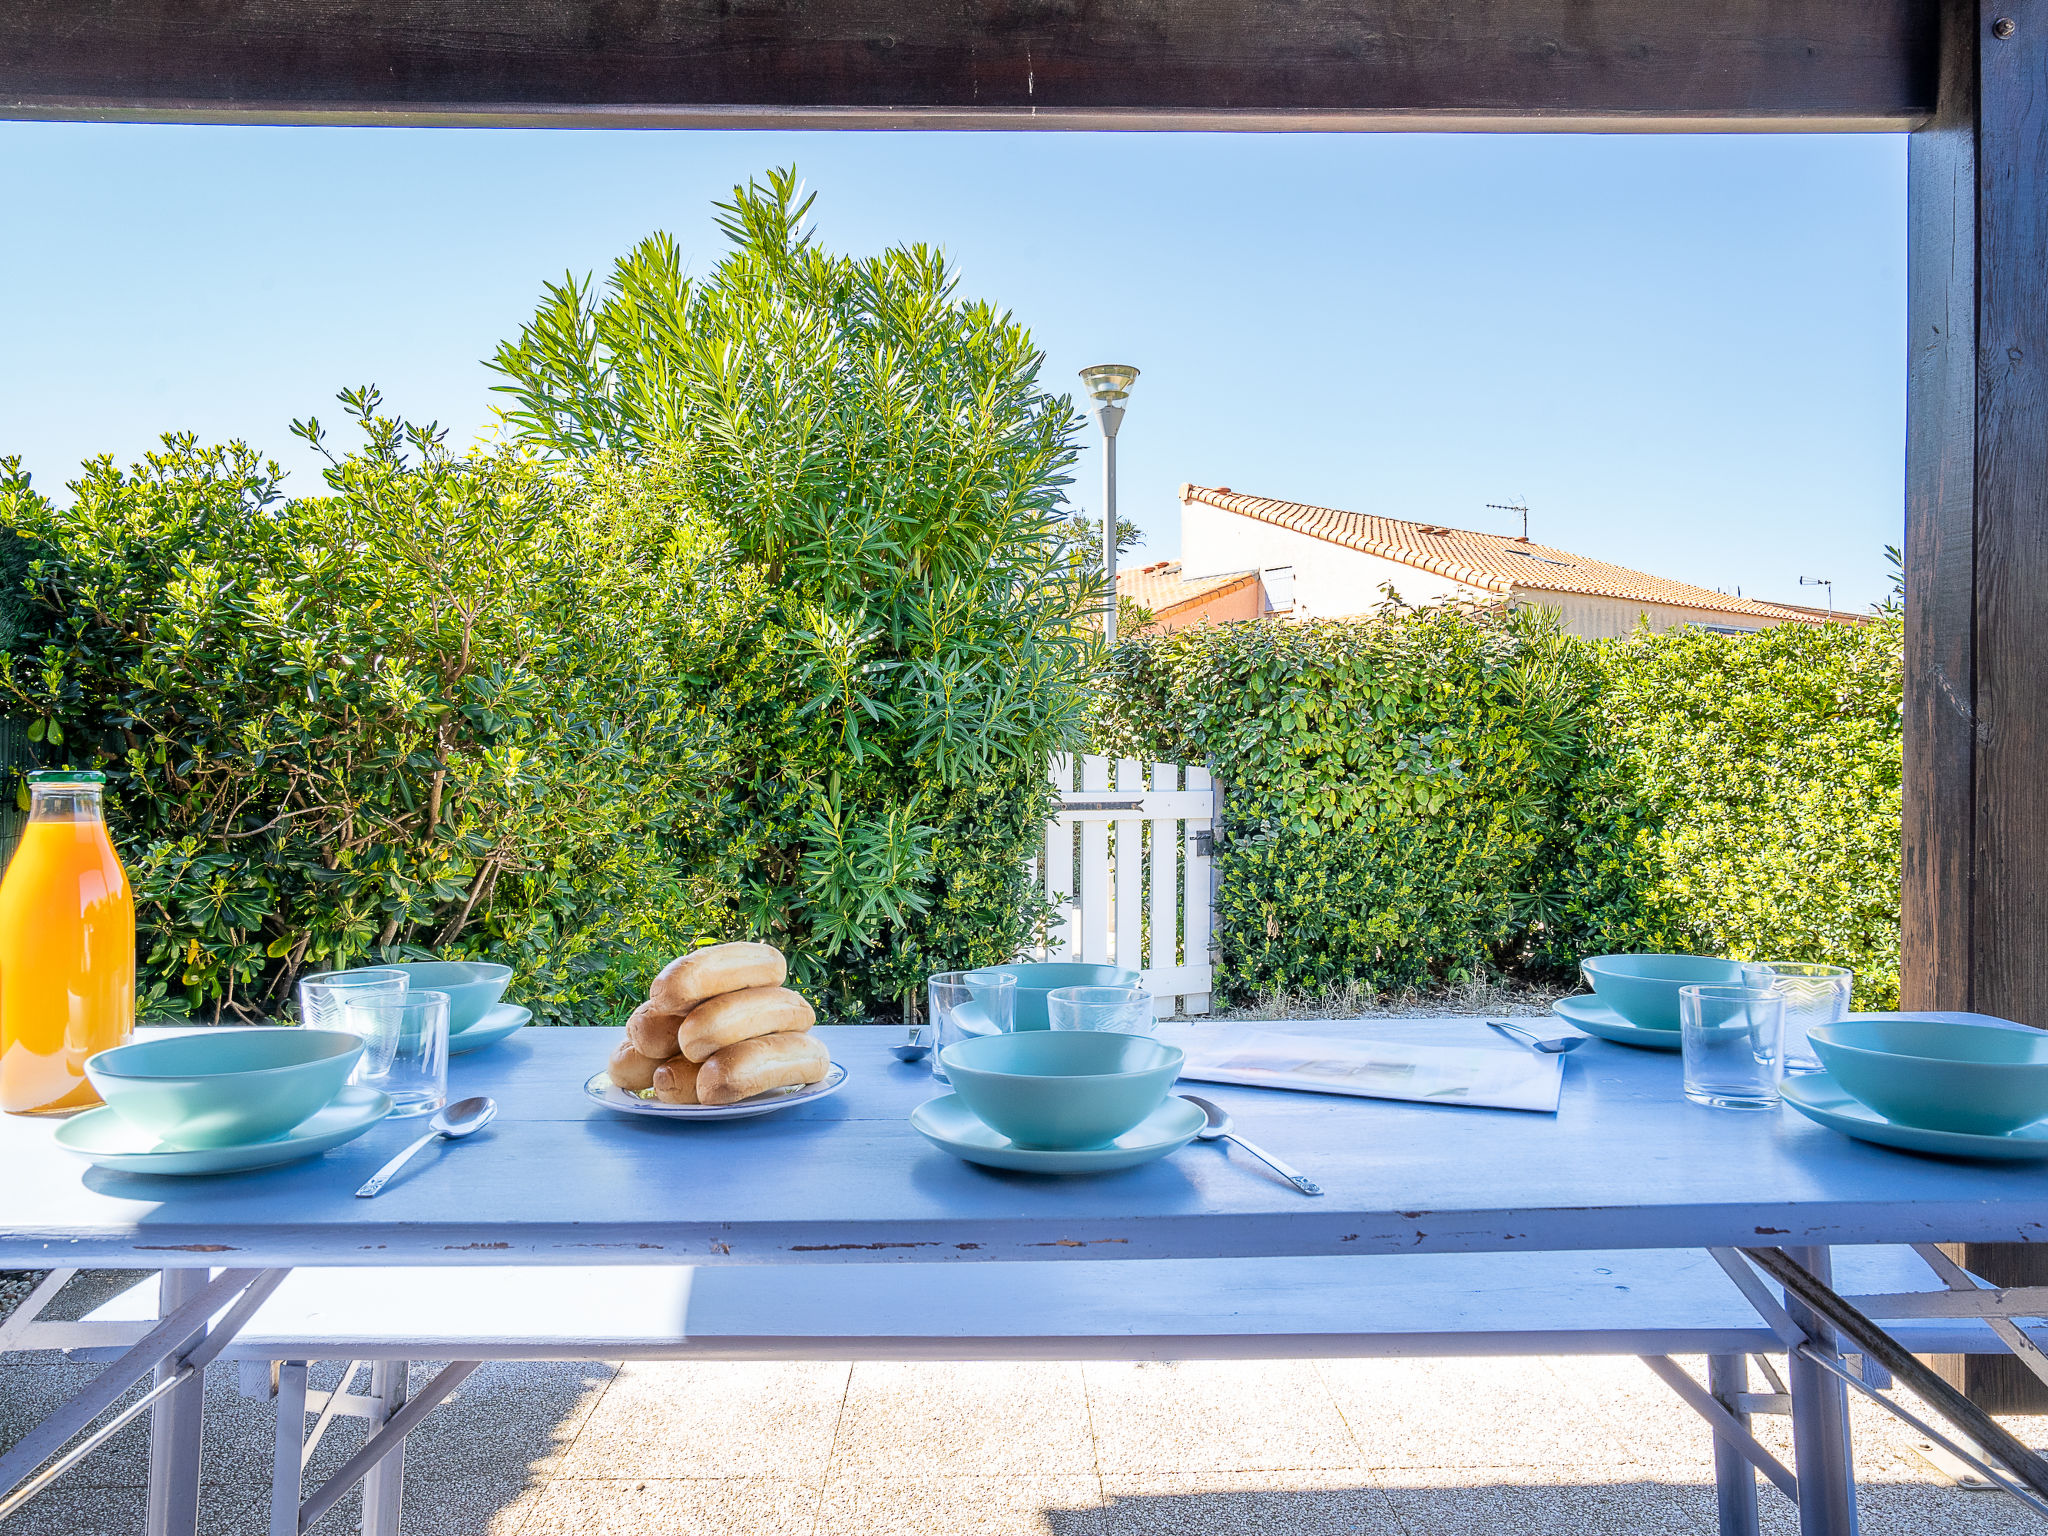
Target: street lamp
1109,384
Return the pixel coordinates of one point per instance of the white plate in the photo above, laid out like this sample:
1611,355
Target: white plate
505,1019
612,1096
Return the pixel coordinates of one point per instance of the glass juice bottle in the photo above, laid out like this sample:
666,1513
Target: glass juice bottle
67,949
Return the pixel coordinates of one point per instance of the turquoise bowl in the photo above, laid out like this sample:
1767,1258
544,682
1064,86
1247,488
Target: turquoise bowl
224,1087
1644,988
473,986
1937,1075
1063,1089
1040,977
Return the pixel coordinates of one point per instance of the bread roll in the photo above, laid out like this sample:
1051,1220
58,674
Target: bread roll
630,1070
757,1065
652,1032
704,973
675,1082
735,1016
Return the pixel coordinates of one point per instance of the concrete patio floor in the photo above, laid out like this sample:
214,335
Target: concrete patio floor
1571,1446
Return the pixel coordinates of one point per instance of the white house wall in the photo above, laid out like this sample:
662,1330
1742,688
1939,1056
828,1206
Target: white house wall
1330,581
1333,582
1607,618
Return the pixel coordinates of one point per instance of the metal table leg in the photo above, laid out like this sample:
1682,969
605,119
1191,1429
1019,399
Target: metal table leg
384,1484
286,1470
379,1466
1734,1477
1820,1419
177,1349
176,1422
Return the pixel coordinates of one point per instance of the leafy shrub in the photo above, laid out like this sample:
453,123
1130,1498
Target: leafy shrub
431,711
1390,815
1765,775
881,458
1423,797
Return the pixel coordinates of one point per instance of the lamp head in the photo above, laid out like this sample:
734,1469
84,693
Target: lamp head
1109,382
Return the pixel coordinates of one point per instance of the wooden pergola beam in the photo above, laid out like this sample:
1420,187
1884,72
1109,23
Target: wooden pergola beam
1158,64
1975,930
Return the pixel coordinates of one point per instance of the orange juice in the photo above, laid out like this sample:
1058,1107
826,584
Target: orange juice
67,949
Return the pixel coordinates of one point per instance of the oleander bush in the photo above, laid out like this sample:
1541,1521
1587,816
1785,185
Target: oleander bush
881,458
1424,798
431,711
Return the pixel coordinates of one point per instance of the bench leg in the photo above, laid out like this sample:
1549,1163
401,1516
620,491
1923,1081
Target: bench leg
1820,1421
286,1479
175,1424
384,1484
1734,1477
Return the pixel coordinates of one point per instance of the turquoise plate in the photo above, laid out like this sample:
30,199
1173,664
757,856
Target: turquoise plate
949,1125
1596,1018
504,1019
111,1142
1821,1099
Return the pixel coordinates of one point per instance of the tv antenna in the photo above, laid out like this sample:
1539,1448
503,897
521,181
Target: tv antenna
1821,581
1519,504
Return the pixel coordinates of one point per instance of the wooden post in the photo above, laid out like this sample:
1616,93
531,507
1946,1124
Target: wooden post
1975,932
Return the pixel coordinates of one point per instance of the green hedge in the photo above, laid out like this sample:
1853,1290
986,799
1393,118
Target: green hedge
1423,798
1763,777
432,711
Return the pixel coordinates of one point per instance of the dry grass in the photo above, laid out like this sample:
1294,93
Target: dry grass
1500,999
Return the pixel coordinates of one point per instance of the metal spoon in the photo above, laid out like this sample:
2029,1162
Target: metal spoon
1555,1045
913,1048
460,1119
1218,1128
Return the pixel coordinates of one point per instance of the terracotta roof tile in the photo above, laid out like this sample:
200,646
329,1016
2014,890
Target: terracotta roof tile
1160,587
1491,562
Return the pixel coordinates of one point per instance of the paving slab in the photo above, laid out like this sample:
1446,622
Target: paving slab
718,1420
1333,1502
721,1506
937,1505
1592,1447
1453,1413
979,1418
1437,1501
1215,1416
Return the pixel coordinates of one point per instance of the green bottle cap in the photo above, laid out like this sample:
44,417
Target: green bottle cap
66,776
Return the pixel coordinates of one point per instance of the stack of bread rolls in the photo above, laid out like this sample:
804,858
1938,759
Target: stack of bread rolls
719,1026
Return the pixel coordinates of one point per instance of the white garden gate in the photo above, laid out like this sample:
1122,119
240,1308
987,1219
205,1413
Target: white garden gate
1144,896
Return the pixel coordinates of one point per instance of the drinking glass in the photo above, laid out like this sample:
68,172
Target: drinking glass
1814,994
965,1004
405,1046
322,994
1126,1010
1731,1035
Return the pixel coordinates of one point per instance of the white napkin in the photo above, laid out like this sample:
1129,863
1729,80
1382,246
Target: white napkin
1259,1056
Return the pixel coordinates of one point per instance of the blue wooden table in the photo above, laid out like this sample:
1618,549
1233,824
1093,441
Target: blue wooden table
1626,1163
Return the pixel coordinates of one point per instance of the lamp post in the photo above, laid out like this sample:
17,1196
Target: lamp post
1109,384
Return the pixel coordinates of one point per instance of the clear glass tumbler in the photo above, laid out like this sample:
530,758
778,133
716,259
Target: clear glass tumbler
322,994
1124,1010
965,1004
1731,1037
405,1047
1814,994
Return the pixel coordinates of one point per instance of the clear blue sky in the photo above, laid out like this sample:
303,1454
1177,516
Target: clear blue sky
1687,353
